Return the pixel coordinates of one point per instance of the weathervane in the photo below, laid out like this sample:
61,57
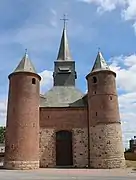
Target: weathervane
65,20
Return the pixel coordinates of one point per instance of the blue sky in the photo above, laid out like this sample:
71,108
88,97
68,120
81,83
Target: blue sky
110,25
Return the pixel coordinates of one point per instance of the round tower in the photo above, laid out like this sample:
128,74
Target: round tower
106,146
22,127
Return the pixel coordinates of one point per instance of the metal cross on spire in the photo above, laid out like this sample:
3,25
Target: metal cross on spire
65,20
99,49
26,51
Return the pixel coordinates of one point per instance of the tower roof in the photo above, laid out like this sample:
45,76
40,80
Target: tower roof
64,51
100,63
25,65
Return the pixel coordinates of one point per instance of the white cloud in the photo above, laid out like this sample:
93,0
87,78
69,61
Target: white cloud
46,80
126,74
129,13
127,8
106,5
125,67
3,112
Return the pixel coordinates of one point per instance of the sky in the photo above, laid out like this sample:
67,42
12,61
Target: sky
106,24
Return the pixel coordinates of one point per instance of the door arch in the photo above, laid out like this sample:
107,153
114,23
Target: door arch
64,154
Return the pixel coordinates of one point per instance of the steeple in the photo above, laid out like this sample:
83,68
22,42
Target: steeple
100,63
64,67
64,51
25,64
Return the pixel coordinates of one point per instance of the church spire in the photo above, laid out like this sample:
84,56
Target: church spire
100,63
25,64
64,51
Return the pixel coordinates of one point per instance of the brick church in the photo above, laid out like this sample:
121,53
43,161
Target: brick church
63,127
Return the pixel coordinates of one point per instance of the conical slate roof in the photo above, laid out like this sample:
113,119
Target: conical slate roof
100,63
25,65
64,51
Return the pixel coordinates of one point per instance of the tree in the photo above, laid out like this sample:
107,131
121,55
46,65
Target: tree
2,134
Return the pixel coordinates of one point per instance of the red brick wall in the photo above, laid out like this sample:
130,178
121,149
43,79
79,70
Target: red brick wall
102,98
105,128
63,118
22,140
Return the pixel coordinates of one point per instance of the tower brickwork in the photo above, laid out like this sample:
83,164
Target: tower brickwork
22,128
106,147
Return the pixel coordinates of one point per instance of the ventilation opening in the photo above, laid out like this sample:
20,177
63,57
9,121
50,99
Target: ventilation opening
96,113
94,80
110,97
33,81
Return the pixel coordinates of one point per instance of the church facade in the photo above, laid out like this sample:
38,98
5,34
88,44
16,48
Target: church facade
63,127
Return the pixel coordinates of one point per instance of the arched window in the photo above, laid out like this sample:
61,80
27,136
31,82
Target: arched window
33,81
94,79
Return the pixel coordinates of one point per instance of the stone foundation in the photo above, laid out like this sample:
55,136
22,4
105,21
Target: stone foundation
47,148
21,165
106,147
107,163
80,147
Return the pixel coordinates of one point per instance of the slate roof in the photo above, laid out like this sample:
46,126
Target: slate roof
62,96
64,51
25,65
100,63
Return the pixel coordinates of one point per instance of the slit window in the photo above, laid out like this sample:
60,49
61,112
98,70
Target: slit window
33,81
94,80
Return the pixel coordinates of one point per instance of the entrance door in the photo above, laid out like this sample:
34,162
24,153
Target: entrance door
64,156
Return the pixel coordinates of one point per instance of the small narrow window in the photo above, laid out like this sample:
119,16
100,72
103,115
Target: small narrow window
34,125
110,97
12,146
94,79
94,92
33,81
96,113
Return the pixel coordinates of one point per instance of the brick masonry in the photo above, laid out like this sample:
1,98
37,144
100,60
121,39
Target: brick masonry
22,128
63,118
48,147
80,147
106,146
21,165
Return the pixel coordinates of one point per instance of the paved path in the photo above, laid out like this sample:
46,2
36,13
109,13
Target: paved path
68,174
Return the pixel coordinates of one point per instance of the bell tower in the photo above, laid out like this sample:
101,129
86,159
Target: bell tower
64,67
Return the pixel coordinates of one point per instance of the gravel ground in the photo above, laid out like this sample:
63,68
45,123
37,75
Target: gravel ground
68,174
